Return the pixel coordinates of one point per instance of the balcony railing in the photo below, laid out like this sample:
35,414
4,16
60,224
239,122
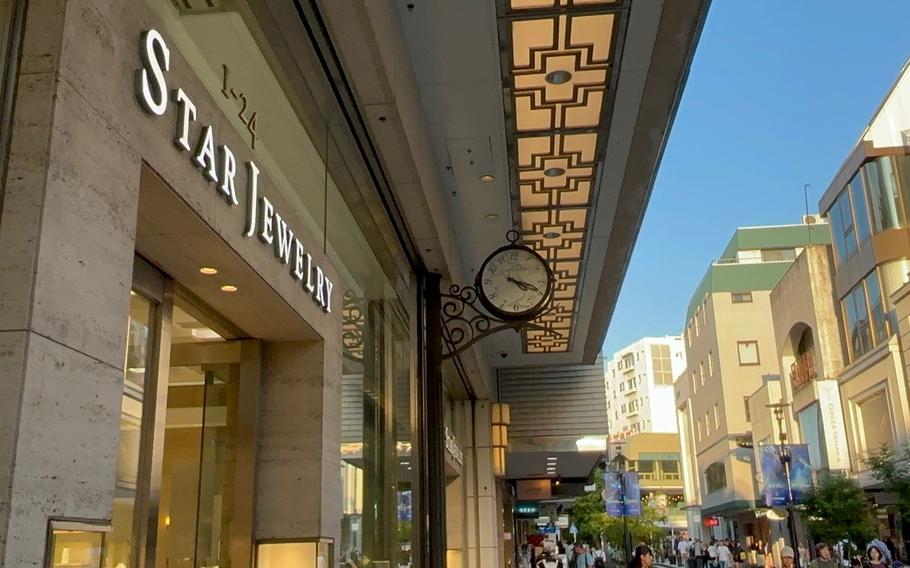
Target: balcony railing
802,371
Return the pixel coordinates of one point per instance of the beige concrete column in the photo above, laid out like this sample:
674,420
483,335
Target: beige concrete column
67,230
298,483
482,518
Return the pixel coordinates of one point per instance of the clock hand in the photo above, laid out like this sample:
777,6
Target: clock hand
523,285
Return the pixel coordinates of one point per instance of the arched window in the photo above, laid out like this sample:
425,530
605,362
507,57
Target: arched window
803,368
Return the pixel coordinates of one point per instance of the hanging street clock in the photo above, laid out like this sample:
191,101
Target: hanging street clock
514,286
514,282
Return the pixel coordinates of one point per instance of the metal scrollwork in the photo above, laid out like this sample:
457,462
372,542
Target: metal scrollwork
464,323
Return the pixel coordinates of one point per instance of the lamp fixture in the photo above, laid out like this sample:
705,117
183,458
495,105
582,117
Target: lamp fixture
487,178
492,216
552,235
558,77
554,172
229,288
208,270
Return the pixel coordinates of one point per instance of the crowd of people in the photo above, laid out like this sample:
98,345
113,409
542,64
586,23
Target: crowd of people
577,555
726,553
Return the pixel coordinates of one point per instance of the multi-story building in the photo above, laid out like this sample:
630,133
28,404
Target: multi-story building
639,381
642,421
730,351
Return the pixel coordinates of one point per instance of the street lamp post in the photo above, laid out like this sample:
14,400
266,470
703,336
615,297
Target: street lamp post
619,463
783,453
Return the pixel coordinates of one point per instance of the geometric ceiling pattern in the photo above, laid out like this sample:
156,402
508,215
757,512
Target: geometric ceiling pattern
557,75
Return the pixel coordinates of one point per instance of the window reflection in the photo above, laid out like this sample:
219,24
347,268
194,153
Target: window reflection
857,320
884,194
860,210
841,219
119,548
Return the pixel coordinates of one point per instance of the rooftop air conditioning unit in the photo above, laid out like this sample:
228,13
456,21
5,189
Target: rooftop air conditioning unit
810,219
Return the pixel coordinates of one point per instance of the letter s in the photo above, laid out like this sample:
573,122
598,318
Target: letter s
155,57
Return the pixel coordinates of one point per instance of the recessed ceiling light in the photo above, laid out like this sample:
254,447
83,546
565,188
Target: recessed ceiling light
552,458
554,172
229,288
552,235
558,77
487,178
492,216
208,270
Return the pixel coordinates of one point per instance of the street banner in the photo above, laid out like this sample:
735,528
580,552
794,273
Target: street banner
775,476
622,494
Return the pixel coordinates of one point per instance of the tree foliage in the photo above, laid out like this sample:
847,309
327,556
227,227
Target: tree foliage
591,520
837,509
892,468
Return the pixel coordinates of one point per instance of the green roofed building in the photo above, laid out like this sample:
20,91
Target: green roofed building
730,352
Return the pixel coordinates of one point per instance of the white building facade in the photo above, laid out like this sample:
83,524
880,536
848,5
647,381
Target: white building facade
639,381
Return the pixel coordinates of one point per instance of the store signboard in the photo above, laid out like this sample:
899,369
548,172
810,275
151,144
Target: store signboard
218,166
775,474
527,510
533,489
832,419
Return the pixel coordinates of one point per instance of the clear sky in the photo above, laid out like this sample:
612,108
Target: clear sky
777,96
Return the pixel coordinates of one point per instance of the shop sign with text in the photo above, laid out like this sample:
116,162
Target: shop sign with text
219,167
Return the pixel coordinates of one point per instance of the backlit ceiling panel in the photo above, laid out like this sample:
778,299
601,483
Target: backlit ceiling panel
557,73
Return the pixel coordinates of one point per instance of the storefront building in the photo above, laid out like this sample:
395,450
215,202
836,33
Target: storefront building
219,312
190,302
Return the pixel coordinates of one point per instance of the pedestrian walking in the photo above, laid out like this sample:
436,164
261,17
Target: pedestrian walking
600,557
524,557
724,555
877,554
712,554
683,550
823,557
644,557
580,557
739,555
787,557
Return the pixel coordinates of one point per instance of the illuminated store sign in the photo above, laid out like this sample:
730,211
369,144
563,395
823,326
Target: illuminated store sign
220,168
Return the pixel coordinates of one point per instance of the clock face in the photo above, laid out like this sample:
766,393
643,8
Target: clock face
514,281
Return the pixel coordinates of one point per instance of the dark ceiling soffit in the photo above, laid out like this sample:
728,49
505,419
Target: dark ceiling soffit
317,30
682,18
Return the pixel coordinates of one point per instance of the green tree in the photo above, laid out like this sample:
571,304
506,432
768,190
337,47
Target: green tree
892,468
591,520
836,509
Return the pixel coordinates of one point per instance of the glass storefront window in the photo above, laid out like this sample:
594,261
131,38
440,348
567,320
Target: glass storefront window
860,210
884,194
856,317
841,219
812,433
72,547
119,547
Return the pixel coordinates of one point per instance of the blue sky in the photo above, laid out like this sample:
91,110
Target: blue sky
778,94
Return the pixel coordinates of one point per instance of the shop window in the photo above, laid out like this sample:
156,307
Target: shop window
856,318
811,432
119,545
741,297
884,194
875,417
842,227
876,308
715,477
748,352
860,210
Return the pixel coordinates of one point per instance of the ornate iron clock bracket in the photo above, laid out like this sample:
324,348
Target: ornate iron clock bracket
464,323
